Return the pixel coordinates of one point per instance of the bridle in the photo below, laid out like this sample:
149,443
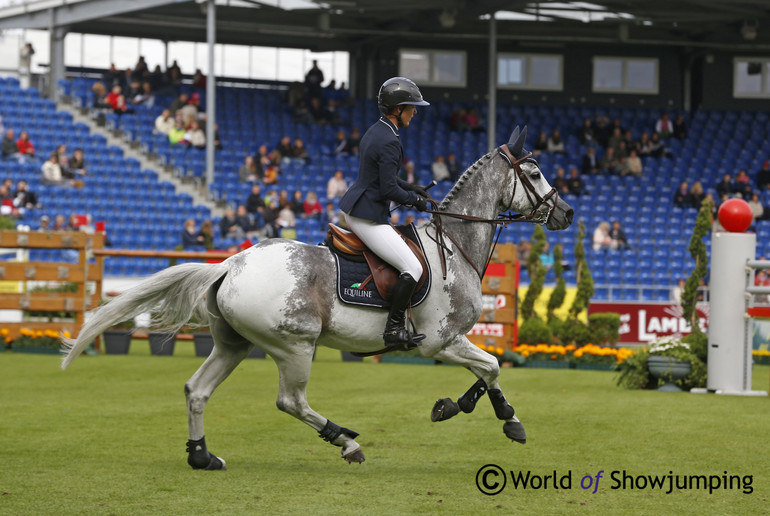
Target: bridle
536,216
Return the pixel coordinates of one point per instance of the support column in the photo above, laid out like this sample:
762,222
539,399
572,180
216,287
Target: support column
211,107
56,51
492,102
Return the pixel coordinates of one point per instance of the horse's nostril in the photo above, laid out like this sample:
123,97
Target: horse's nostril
570,214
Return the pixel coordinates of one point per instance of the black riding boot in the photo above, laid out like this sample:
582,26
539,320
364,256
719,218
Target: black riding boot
396,333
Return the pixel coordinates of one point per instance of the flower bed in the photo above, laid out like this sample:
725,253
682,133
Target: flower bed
33,341
558,356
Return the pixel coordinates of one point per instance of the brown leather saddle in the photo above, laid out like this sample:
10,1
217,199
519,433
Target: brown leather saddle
348,245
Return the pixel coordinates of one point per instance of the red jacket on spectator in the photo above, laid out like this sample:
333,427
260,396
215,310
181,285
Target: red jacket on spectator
312,209
116,101
25,146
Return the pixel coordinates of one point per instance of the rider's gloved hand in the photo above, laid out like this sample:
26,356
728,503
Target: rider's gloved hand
422,191
421,203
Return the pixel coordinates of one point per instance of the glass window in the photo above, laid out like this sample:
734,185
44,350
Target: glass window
751,77
510,70
236,62
531,71
152,50
433,67
72,49
546,72
96,51
625,75
291,64
184,54
264,63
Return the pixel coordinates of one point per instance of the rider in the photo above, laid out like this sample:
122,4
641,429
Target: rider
367,200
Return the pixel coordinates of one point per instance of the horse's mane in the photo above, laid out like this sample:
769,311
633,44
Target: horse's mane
463,179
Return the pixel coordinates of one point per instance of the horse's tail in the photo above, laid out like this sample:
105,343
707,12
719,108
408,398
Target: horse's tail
174,296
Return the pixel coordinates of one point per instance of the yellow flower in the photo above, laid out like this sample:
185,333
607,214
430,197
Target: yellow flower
4,332
67,334
499,351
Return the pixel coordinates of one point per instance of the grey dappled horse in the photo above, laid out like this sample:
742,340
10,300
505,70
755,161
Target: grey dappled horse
281,295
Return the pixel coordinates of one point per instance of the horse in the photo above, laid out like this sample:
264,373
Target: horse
281,295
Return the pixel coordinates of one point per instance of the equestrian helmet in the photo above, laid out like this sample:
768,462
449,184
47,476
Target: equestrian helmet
397,91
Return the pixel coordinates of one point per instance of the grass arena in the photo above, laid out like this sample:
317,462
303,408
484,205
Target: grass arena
105,438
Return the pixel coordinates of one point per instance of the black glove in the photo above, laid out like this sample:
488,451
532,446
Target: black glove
419,190
421,203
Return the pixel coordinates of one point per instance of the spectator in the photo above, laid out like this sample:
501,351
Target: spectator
657,147
644,145
45,224
330,215
763,176
297,204
336,187
313,80
8,147
24,198
199,80
286,222
111,76
59,223
194,136
254,202
609,163
615,139
546,258
682,197
590,163
541,144
98,92
725,187
248,171
757,210
440,170
77,163
523,250
283,199
457,120
622,149
697,194
228,226
178,103
473,121
244,220
407,173
319,113
680,127
634,163
586,133
618,237
742,185
354,141
64,165
116,101
575,184
454,167
6,201
25,64
164,123
340,144
190,111
176,135
554,143
664,127
299,153
191,239
601,238
25,146
270,216
602,131
283,150
676,292
560,182
313,208
52,174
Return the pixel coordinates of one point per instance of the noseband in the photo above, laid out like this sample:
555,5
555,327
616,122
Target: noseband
536,215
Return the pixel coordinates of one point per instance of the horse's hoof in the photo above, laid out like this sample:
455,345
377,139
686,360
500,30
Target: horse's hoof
355,456
514,430
444,409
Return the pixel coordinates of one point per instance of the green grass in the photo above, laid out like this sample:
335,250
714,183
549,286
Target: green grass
108,437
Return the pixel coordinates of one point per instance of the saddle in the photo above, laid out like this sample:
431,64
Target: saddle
349,246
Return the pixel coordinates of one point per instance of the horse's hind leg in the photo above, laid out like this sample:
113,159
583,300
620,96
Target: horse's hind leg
462,352
294,369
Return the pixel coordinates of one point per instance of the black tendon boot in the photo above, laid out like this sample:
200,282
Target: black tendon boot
396,334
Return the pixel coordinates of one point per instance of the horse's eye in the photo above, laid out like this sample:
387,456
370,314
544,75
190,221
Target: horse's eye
535,175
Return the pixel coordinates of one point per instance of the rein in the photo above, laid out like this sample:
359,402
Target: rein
502,220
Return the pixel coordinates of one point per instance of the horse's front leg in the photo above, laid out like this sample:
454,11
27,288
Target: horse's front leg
294,370
462,352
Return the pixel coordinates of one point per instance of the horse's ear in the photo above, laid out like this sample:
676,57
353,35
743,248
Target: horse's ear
516,143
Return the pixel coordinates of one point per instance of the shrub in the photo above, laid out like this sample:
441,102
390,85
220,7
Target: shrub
574,331
604,328
535,331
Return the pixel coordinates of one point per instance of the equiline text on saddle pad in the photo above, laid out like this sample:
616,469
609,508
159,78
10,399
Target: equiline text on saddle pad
363,278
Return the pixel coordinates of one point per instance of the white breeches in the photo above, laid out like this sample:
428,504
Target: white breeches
386,243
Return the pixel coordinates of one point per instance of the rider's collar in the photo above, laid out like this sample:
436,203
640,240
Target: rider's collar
389,124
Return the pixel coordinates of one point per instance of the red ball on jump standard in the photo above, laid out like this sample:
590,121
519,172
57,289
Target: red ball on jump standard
735,215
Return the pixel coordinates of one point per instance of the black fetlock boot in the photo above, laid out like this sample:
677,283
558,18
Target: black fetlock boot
396,334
